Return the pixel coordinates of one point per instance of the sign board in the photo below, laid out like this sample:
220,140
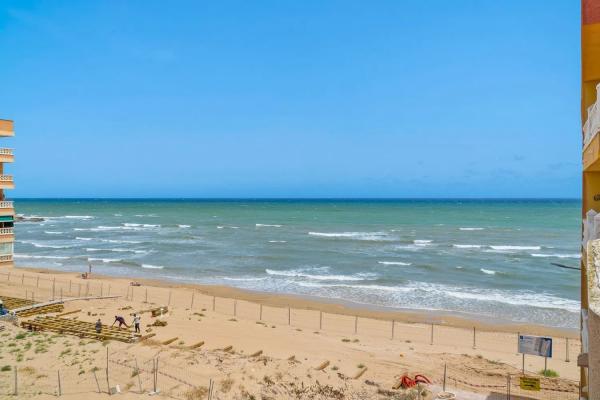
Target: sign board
535,345
529,383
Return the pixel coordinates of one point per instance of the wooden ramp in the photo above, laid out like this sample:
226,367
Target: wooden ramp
79,328
27,308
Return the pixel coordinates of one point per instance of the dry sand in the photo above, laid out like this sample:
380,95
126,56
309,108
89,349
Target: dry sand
311,332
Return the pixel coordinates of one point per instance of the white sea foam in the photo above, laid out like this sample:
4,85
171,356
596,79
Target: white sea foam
300,273
184,226
117,250
557,255
53,232
467,246
44,245
252,279
515,248
105,260
268,225
368,236
394,263
83,238
150,266
471,229
119,241
277,241
422,242
41,257
78,217
488,271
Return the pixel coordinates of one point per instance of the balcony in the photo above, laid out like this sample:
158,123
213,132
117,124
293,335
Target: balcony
6,182
7,208
7,235
6,155
7,127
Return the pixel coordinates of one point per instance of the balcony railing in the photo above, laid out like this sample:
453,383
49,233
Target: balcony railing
592,124
7,204
6,231
6,257
6,152
6,178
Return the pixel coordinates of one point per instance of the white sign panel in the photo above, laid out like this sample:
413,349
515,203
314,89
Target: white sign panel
535,345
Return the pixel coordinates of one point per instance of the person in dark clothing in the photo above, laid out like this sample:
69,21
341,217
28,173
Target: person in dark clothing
121,321
98,326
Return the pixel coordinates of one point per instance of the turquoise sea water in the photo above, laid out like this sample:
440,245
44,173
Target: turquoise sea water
487,258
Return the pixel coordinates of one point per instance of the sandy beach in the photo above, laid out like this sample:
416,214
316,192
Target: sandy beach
278,344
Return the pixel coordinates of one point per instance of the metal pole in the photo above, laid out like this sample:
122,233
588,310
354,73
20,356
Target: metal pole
320,320
101,289
169,303
107,380
108,290
444,385
567,350
523,363
234,308
474,339
431,334
97,383
214,303
69,286
545,365
87,289
260,313
16,382
61,296
53,285
132,293
37,283
59,387
508,386
289,316
393,324
79,291
518,339
137,369
355,324
147,296
192,305
22,279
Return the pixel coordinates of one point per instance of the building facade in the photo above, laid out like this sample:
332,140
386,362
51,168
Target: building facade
7,210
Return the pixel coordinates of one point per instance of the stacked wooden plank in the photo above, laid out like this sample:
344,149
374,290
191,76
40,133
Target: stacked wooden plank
79,328
12,303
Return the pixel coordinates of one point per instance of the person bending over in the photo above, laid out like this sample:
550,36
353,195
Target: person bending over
121,321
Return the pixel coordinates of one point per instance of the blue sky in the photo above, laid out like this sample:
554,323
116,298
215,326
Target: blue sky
292,99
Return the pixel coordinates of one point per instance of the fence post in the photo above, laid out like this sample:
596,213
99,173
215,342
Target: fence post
192,304
101,289
133,287
445,370
393,323
16,393
518,336
508,386
59,387
567,350
214,303
137,369
355,324
474,339
107,380
69,286
234,308
320,320
431,334
260,312
97,383
289,315
146,296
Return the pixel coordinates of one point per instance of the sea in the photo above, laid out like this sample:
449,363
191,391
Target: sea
489,259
